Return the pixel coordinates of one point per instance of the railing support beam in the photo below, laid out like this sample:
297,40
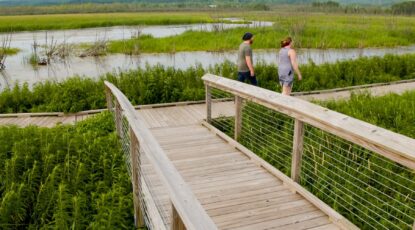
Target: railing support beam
136,178
238,117
208,104
177,223
297,150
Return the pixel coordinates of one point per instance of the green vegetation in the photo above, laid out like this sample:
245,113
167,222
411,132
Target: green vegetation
67,177
371,191
328,4
9,51
308,31
393,112
160,84
74,21
407,8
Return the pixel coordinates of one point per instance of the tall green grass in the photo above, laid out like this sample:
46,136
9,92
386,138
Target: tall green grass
160,84
308,30
67,177
75,21
393,112
9,51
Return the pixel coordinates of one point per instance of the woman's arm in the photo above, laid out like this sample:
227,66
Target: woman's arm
293,57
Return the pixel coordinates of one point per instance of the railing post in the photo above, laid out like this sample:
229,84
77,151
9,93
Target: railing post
136,178
208,104
297,150
177,223
118,118
109,99
238,117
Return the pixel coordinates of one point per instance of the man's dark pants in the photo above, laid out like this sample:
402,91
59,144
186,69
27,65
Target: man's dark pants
242,76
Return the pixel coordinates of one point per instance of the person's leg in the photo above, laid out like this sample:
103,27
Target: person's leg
241,77
253,80
286,89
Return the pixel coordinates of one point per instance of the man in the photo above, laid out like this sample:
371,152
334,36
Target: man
245,60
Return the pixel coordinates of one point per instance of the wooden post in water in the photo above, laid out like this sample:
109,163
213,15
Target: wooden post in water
297,150
177,223
238,117
136,178
208,104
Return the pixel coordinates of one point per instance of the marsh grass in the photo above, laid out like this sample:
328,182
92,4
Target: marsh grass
64,177
77,21
308,30
10,51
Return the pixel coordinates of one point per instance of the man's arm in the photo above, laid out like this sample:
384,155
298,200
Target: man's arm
248,60
294,63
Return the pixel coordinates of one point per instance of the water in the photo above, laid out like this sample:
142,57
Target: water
19,71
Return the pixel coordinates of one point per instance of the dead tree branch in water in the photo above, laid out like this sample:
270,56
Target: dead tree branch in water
98,48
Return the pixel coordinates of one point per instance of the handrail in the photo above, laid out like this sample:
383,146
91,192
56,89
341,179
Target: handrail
184,201
396,147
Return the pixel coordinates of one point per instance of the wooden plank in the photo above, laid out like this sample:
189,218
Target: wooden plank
293,198
193,143
240,219
267,197
235,188
297,150
396,147
316,222
193,163
285,221
238,181
325,227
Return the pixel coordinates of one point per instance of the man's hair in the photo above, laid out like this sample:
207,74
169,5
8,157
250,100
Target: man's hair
247,36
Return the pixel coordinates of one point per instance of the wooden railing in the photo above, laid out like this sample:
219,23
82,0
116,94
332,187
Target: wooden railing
186,211
395,147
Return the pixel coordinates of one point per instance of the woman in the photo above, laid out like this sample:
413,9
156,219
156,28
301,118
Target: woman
287,64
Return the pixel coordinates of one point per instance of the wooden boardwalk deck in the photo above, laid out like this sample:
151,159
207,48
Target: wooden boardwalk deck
235,191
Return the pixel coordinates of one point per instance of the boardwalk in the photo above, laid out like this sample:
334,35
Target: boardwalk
186,174
235,192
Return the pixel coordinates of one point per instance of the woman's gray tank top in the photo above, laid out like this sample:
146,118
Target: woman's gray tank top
285,69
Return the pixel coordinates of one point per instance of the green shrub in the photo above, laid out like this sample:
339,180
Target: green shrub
65,177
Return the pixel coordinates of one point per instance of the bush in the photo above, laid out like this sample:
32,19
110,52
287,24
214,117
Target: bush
65,177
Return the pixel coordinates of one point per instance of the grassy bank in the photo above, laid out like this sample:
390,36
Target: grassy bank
160,84
308,30
9,51
75,21
65,177
340,173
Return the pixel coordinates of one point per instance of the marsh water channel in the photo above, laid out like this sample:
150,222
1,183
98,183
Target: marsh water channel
18,69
